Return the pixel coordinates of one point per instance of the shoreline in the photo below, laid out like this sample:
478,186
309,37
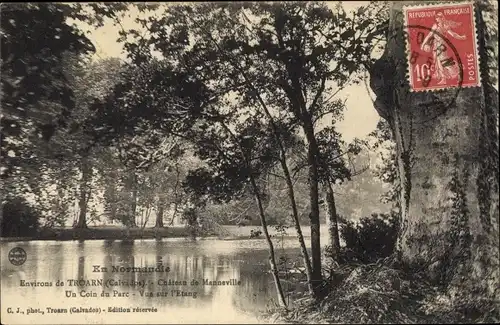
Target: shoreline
119,233
103,233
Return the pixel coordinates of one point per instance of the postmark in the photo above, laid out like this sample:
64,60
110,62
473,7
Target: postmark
17,256
430,104
441,43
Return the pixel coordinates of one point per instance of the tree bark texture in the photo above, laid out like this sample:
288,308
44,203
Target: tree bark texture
312,154
332,221
447,160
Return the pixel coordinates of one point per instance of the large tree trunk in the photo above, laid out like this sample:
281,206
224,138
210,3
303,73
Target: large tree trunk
84,194
447,155
333,227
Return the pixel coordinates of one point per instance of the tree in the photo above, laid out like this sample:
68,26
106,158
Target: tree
76,144
161,185
35,38
19,218
157,96
145,120
447,162
236,162
46,74
284,60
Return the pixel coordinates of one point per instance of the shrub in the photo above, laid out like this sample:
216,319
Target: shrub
372,238
255,233
19,218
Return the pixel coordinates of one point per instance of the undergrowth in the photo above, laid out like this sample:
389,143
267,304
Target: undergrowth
366,284
381,293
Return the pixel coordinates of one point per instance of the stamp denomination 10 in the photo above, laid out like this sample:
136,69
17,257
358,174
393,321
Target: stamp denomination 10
442,46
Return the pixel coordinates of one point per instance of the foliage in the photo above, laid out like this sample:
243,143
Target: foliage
141,122
362,195
53,166
372,238
36,99
278,200
191,216
383,142
332,156
19,218
280,57
255,233
278,63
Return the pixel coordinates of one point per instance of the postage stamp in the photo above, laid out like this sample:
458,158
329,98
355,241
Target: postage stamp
442,46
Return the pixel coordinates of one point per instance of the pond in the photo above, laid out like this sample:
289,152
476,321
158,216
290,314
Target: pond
244,264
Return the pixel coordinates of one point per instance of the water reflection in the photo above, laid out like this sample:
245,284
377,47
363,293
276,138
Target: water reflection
177,302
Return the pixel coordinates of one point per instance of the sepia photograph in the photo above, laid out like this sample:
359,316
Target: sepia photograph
274,162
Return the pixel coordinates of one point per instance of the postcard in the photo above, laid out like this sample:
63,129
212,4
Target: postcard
249,162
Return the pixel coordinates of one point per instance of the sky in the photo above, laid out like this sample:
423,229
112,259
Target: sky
360,117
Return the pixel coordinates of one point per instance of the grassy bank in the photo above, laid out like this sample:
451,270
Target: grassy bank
380,293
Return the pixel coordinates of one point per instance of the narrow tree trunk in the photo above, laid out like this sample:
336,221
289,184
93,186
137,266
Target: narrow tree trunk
298,229
333,227
291,195
312,154
110,195
258,198
133,223
447,154
83,199
272,255
159,216
145,218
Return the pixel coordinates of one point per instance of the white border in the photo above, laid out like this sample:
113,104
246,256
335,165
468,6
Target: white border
409,75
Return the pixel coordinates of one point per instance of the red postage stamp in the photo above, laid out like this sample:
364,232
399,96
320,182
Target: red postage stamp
442,46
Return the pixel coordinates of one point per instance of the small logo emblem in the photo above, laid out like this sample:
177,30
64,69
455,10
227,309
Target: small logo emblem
17,256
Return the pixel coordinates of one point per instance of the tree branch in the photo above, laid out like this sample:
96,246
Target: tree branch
318,95
323,114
